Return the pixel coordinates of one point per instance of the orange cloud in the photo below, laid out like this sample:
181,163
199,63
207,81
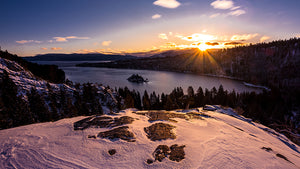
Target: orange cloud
28,41
44,48
233,43
199,37
106,43
243,37
56,48
167,3
163,36
65,39
264,38
212,43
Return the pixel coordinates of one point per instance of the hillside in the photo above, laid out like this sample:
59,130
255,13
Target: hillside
78,57
27,98
199,139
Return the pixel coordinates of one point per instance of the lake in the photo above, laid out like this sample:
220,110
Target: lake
159,81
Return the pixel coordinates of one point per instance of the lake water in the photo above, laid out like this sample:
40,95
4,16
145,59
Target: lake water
159,81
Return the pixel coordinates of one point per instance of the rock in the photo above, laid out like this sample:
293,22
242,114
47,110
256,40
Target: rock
135,78
150,161
174,153
161,152
82,124
92,136
121,121
102,122
160,131
112,152
209,108
177,153
118,133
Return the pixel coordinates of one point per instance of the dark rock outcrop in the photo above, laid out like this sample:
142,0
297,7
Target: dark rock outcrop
160,131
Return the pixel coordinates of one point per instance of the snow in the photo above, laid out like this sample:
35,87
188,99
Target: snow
25,80
224,140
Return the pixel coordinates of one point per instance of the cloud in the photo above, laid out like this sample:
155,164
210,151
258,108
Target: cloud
243,37
222,4
28,41
264,38
198,37
156,16
234,8
237,12
163,36
44,48
167,3
212,43
233,43
65,39
56,48
214,15
106,43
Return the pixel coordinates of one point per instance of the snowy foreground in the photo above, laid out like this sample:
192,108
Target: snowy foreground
223,140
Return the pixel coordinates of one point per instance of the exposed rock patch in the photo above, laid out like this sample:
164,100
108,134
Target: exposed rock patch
174,153
161,152
118,133
268,149
177,153
169,115
160,131
102,122
112,152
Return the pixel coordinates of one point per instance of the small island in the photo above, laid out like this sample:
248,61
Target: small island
136,78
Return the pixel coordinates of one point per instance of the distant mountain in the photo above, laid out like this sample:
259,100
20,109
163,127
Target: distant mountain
78,57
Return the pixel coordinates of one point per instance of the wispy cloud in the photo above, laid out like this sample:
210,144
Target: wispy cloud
156,16
106,43
215,15
237,12
56,48
227,5
65,39
44,48
222,4
28,41
243,37
163,36
235,8
264,38
167,3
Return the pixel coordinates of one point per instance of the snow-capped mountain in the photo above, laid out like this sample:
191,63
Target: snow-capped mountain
212,137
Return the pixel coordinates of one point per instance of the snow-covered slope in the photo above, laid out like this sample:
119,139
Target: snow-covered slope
218,139
24,79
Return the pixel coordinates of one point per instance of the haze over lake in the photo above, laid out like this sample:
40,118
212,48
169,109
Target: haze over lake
159,81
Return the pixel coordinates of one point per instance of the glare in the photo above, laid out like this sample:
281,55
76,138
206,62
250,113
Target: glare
203,47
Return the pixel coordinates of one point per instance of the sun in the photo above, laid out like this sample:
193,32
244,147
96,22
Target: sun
203,47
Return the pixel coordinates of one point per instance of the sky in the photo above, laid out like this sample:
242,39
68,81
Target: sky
32,27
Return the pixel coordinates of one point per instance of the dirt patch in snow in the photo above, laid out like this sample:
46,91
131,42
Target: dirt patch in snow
160,131
102,122
169,115
174,153
118,133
